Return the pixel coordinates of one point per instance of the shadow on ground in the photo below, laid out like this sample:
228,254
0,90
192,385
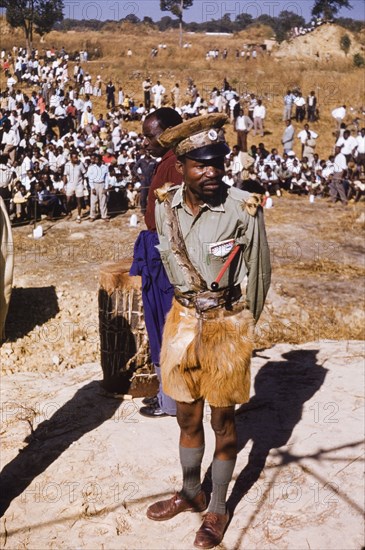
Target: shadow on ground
30,307
86,411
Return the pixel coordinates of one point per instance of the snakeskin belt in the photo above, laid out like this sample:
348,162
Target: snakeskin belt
206,300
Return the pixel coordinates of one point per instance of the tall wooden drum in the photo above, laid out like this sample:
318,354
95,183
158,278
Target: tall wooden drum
125,355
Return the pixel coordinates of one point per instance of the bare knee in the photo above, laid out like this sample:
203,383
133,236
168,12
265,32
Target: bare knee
222,422
190,419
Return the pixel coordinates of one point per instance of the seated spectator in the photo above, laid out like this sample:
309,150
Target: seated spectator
270,181
131,195
20,201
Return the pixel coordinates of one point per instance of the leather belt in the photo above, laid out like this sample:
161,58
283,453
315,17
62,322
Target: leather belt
207,300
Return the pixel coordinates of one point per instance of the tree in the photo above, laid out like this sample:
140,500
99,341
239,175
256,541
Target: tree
243,20
345,43
132,18
148,21
329,8
286,21
351,24
177,8
166,22
37,16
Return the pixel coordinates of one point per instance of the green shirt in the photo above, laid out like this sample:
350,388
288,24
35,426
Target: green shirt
210,236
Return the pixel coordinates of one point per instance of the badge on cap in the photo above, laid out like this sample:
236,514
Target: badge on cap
212,135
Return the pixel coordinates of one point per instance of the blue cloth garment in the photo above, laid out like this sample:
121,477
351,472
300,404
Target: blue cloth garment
157,294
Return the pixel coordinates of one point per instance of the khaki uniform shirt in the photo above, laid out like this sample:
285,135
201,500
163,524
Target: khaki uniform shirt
210,236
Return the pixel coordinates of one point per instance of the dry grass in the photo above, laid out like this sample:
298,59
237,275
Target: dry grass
320,323
322,266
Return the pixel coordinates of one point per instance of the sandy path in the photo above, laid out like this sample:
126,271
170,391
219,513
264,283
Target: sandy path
91,464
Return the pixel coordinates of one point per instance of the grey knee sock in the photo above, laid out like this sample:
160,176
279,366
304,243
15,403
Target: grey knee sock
191,460
222,471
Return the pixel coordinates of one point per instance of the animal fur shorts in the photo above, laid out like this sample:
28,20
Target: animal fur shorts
207,356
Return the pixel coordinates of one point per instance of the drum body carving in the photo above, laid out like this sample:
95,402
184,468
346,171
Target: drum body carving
125,355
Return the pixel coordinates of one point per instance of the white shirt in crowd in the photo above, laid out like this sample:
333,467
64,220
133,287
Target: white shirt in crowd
243,123
299,101
158,90
340,163
347,145
259,111
360,141
303,135
340,113
6,175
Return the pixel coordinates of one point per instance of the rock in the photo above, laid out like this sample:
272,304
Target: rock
78,236
361,218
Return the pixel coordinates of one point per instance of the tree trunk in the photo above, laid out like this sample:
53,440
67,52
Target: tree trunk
327,11
180,23
28,28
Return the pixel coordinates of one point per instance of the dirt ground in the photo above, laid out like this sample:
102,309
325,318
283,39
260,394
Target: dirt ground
79,468
317,287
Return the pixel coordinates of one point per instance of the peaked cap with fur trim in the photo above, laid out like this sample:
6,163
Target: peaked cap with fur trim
197,138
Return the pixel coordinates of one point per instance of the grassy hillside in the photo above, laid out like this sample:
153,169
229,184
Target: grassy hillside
335,81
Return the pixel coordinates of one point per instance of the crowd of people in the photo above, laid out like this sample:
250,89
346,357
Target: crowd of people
305,29
58,154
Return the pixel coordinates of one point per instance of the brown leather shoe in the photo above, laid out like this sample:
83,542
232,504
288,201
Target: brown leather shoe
167,509
212,530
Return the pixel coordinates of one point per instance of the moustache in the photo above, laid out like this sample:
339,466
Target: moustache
211,182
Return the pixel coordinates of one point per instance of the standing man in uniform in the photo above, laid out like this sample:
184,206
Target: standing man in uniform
73,178
208,335
157,292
